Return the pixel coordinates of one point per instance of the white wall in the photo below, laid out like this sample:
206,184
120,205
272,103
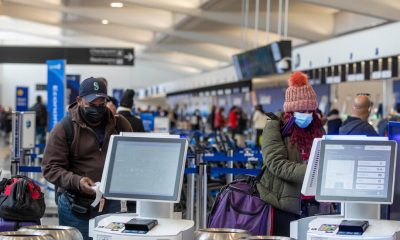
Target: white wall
206,79
361,44
141,75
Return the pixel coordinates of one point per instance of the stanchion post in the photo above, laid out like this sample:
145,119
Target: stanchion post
201,196
14,167
190,192
229,164
198,192
203,189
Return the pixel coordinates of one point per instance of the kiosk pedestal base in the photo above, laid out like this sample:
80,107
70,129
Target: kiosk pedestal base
171,229
326,228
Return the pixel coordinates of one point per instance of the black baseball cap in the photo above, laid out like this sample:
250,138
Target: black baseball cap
92,88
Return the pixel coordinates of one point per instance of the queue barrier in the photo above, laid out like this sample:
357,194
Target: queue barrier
237,157
40,146
191,171
30,169
235,171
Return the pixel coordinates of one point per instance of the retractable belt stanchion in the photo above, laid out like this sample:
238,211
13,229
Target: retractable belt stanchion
16,142
190,191
203,169
229,164
201,197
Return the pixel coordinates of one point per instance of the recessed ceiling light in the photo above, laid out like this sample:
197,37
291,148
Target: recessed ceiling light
104,21
116,4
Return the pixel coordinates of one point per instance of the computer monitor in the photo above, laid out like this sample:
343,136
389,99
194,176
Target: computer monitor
356,171
310,182
144,168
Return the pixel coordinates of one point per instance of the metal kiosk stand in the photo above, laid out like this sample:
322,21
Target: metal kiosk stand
23,139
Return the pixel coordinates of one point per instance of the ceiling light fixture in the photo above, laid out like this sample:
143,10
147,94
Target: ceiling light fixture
116,4
104,21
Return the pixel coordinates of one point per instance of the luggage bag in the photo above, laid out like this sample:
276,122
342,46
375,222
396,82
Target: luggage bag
8,226
239,206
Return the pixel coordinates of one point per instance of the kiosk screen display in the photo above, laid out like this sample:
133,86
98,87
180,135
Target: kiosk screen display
356,171
146,168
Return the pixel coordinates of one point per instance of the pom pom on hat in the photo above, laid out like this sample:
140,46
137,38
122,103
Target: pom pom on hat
300,95
298,79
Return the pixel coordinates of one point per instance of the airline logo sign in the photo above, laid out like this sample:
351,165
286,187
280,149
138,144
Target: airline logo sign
56,85
21,99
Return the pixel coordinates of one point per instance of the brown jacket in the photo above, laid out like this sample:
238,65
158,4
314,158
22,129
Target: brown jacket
87,158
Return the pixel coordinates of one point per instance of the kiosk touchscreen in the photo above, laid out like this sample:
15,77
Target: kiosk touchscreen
309,187
357,171
147,169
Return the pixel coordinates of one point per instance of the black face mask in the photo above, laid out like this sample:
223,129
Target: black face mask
93,115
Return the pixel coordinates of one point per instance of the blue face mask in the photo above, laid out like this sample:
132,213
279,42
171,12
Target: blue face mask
302,120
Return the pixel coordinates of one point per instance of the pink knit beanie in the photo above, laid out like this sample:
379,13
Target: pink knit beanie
300,96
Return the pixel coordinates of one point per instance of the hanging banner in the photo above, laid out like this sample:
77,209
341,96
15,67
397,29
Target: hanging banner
56,86
73,83
148,121
117,94
21,100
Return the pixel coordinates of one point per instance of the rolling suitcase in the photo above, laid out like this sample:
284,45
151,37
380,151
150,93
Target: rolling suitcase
6,225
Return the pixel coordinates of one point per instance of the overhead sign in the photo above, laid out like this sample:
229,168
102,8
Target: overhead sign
111,56
73,83
21,100
92,56
56,85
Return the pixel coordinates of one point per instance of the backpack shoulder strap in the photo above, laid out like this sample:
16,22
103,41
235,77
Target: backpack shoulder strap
69,130
272,116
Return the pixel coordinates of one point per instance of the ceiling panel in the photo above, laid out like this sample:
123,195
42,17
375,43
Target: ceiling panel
191,35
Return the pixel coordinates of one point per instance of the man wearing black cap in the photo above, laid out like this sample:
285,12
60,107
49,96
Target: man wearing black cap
75,154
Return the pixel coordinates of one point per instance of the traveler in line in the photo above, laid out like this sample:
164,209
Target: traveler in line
219,119
75,164
112,104
41,120
334,122
286,146
125,110
259,122
357,123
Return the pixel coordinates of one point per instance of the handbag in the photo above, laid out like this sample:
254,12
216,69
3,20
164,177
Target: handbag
79,206
239,206
21,199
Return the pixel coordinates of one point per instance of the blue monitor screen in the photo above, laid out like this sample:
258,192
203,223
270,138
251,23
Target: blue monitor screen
394,131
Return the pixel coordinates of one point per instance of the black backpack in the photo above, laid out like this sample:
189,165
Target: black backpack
21,199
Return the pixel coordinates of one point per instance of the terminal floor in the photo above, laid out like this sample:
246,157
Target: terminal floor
50,217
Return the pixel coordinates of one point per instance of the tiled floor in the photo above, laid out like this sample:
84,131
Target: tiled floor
50,217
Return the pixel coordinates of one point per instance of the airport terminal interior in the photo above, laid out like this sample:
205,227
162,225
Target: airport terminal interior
199,119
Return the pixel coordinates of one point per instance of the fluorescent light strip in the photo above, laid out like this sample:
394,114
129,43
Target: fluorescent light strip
116,4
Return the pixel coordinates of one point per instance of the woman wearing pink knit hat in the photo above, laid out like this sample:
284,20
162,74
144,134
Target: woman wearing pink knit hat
286,146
